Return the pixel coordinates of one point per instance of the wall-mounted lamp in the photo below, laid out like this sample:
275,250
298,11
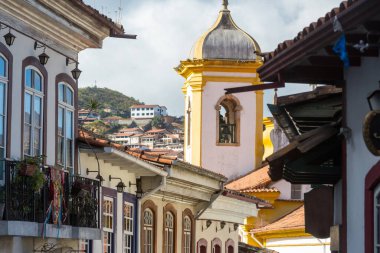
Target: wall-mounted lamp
75,72
139,192
98,177
42,57
9,38
208,224
374,100
222,225
120,186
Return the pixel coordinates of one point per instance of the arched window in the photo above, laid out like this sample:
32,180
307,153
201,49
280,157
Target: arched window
187,228
3,110
228,120
229,246
148,230
202,246
33,111
216,246
169,233
65,129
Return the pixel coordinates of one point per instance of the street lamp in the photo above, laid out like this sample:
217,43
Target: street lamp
120,186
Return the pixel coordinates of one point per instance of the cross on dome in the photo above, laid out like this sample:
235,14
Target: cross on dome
225,4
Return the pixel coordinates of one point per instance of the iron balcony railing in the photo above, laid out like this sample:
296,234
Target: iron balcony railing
63,199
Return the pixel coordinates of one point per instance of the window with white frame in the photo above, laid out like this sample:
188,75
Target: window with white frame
187,234
169,232
65,150
108,229
3,110
128,227
376,219
148,230
33,112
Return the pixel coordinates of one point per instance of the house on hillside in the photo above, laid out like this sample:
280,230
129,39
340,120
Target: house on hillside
147,111
87,116
42,207
343,154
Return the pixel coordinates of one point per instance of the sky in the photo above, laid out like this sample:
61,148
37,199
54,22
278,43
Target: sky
166,31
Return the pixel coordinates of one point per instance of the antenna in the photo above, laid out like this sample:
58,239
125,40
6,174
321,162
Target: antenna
119,13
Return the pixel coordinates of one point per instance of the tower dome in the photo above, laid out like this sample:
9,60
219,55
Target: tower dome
225,41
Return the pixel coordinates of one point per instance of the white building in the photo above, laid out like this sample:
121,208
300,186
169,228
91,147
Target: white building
39,97
147,111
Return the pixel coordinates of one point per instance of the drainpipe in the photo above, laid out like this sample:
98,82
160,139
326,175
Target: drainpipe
213,198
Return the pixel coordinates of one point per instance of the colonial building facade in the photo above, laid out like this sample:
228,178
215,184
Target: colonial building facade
39,46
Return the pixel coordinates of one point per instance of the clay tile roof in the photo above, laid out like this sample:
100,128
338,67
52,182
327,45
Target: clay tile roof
312,27
293,220
256,179
257,190
144,106
246,198
116,29
100,141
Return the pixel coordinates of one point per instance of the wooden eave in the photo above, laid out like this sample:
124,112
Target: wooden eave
308,58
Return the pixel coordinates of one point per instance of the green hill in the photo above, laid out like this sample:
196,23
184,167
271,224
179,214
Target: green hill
107,98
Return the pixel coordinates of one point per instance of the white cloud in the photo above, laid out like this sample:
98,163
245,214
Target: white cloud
167,29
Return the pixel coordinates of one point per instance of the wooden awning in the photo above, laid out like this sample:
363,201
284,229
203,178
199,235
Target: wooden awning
311,158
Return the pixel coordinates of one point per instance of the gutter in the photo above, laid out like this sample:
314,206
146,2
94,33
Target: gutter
213,198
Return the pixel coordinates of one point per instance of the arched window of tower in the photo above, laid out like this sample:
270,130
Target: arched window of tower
228,120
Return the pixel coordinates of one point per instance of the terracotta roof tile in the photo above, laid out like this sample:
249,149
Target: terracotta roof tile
144,106
115,28
257,190
312,27
256,179
100,141
293,220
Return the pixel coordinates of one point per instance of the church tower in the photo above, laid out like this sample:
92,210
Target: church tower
223,132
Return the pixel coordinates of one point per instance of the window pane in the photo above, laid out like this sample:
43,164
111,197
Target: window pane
28,108
2,98
69,125
37,111
37,141
60,121
37,81
61,92
2,141
3,67
69,96
60,150
69,153
28,78
27,130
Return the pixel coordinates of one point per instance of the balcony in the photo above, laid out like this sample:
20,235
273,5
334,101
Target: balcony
65,205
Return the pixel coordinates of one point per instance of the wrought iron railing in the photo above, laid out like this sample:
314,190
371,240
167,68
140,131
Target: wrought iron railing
227,133
63,198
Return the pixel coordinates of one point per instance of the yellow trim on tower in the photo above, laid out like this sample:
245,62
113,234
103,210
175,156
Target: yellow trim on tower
259,149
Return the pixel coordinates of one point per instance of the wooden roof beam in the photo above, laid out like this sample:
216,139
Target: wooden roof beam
315,75
332,61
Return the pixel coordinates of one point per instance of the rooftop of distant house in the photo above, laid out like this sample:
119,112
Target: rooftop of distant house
292,221
147,106
257,179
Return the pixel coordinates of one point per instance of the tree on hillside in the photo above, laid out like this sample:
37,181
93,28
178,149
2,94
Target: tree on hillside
133,125
158,122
